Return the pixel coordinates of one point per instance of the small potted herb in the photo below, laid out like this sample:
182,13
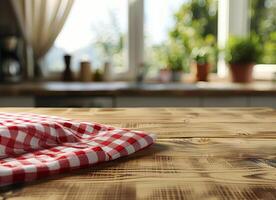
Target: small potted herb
201,64
175,60
241,54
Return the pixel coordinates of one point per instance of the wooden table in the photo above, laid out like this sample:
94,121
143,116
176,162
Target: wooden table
215,153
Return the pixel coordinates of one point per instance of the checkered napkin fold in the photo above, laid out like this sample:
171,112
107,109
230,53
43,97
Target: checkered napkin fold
35,146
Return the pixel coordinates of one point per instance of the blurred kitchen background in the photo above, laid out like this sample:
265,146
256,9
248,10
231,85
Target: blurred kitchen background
137,53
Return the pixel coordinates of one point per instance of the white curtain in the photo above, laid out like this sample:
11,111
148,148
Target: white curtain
41,21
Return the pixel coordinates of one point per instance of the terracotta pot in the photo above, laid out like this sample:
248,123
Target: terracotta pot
202,71
242,73
165,75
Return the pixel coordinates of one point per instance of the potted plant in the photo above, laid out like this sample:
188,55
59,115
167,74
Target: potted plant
201,64
241,54
176,67
175,60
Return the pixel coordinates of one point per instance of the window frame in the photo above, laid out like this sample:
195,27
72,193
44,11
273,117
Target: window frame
135,41
229,12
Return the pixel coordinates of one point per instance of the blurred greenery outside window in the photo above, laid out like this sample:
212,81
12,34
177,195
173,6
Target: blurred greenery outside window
262,17
194,27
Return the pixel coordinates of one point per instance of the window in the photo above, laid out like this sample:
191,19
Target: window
128,33
174,28
96,31
157,28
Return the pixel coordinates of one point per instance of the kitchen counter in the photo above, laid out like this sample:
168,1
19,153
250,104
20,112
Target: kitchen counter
132,89
200,153
124,94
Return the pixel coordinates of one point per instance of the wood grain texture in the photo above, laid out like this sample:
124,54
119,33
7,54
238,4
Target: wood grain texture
212,153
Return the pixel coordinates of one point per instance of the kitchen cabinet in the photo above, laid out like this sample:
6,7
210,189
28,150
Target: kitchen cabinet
17,101
74,101
265,101
241,101
142,101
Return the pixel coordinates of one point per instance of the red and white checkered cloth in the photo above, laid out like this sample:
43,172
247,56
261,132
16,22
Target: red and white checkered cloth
35,146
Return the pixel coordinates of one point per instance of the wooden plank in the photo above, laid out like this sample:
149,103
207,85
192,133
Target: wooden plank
158,115
195,168
207,130
177,122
